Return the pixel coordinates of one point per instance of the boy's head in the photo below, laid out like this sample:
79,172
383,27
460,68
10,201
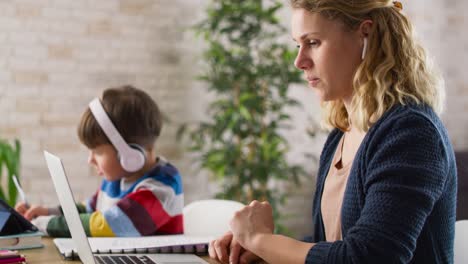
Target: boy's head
133,113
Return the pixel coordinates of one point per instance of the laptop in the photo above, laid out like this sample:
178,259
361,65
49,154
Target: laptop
78,234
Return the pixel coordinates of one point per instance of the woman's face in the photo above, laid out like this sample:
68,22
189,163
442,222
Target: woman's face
328,54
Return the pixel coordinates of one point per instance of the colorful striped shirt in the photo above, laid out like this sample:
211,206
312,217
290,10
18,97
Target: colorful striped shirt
150,206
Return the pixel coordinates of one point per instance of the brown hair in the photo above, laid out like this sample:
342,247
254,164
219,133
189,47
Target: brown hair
132,111
395,69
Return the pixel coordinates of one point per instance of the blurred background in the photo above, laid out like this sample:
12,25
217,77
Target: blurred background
57,55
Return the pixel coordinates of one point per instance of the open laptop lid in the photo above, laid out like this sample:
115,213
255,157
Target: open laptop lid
67,201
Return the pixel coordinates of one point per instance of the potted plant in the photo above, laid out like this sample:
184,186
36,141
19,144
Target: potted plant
9,166
249,70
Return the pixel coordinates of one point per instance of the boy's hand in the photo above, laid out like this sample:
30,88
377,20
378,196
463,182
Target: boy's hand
21,207
35,211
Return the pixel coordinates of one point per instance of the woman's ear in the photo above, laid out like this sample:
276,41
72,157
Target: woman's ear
365,28
364,31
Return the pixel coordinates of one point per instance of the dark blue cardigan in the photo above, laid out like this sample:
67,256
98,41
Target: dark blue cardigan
400,199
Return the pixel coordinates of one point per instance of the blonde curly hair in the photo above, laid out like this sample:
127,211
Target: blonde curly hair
395,70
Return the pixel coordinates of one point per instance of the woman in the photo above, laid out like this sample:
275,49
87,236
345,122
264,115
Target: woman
386,186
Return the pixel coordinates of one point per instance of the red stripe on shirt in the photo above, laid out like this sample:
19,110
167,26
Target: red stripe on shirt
140,218
173,226
152,205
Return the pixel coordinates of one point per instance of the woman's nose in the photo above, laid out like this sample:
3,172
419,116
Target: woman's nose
303,60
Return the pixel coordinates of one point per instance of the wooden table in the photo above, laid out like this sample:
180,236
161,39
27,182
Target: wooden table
50,255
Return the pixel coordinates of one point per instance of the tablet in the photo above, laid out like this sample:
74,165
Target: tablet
11,222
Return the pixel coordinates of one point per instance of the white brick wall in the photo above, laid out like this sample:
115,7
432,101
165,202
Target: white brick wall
56,55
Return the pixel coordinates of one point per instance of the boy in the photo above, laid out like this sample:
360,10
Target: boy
140,194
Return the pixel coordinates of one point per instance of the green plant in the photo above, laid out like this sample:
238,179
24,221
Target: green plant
250,71
10,160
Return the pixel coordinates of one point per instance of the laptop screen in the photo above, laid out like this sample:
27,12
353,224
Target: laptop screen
65,196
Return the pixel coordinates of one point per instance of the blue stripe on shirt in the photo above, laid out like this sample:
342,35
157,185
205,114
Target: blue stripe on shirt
166,174
119,222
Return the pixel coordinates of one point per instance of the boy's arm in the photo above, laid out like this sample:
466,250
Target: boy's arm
139,214
56,225
82,208
57,210
94,224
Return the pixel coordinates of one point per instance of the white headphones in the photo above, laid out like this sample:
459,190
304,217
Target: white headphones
132,156
364,49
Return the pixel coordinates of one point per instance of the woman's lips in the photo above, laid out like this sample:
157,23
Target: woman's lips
313,81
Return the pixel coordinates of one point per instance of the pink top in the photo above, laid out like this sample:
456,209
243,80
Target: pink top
332,196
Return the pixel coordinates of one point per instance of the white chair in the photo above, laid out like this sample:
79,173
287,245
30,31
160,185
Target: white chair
209,217
461,242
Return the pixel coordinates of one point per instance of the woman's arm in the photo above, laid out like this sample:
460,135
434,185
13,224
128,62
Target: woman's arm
253,228
280,249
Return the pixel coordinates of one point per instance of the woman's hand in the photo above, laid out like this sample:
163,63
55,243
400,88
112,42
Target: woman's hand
250,221
227,250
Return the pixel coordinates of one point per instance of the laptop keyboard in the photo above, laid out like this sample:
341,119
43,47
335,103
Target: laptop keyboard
123,259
